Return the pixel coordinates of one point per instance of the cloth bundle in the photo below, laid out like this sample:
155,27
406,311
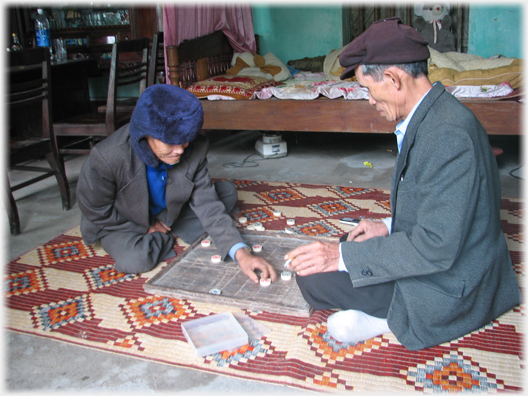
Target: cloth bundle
255,65
259,61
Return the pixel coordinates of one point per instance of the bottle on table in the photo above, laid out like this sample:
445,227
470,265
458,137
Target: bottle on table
42,29
15,43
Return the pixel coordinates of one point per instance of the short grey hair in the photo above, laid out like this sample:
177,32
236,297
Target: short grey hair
415,69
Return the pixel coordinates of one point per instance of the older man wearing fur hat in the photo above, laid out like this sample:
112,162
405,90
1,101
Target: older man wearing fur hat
148,182
439,268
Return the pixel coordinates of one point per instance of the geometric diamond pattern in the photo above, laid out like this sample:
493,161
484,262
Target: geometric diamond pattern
23,283
329,379
316,228
56,314
245,183
243,354
67,251
332,208
147,311
107,276
278,196
330,350
258,214
452,373
346,192
130,342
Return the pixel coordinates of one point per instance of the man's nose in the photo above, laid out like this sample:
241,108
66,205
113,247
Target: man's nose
178,149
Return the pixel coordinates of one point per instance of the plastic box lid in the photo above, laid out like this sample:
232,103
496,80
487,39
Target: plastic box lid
214,333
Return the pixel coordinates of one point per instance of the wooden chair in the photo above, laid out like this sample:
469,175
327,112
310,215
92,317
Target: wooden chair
156,68
29,91
128,66
157,61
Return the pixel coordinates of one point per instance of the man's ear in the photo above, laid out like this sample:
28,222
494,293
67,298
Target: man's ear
393,76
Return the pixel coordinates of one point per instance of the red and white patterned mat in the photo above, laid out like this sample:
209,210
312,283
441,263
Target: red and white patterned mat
70,292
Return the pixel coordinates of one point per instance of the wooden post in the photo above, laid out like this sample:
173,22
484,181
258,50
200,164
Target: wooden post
202,71
173,64
459,28
408,15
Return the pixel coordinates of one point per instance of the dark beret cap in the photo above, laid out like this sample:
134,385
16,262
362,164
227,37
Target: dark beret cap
385,42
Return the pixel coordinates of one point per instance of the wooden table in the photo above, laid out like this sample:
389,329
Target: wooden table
69,90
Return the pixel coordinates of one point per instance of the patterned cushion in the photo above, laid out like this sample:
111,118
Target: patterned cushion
236,87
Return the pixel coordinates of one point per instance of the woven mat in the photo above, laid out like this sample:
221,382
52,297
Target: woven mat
70,292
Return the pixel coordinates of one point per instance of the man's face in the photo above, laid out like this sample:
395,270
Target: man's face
168,153
382,94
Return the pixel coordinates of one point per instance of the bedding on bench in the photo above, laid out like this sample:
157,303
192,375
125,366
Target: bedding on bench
255,77
201,64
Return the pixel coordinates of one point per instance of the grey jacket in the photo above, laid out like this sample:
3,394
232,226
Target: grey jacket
447,253
113,192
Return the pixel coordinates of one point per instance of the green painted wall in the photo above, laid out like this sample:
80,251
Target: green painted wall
496,29
295,32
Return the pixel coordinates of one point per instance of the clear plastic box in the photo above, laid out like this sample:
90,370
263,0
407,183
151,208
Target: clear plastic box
214,333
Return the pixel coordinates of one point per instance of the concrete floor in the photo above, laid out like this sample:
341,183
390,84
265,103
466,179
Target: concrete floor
43,365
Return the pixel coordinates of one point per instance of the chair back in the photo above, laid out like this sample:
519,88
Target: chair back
29,83
31,128
129,65
157,60
199,58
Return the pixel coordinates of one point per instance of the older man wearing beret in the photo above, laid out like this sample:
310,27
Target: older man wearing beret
439,268
148,182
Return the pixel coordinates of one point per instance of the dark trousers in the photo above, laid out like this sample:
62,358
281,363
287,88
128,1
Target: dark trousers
335,290
136,253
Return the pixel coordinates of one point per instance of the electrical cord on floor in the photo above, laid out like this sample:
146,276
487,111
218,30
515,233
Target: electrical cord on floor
514,170
247,163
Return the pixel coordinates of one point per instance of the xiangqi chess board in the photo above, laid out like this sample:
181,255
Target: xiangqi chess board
193,275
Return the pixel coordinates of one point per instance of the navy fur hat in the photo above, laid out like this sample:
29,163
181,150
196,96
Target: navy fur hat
167,113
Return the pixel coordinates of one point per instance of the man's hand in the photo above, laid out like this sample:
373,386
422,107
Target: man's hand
314,258
249,264
158,226
367,229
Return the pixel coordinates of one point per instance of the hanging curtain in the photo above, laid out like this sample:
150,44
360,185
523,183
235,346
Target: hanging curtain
181,22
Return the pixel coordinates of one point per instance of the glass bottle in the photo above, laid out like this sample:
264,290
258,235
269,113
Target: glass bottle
42,29
16,46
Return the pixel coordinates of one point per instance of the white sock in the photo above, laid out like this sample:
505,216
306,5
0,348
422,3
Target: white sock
354,326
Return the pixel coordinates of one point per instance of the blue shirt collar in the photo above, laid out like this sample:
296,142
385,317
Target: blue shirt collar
401,128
